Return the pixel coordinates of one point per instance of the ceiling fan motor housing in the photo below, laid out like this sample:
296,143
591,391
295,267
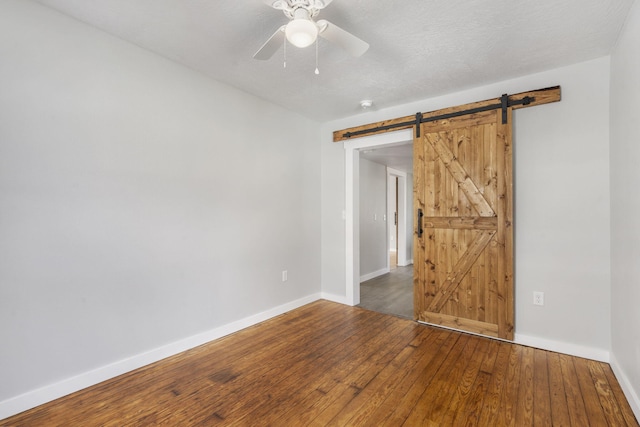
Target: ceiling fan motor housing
290,7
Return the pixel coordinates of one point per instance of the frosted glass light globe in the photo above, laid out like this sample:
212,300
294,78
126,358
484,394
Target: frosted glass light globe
301,32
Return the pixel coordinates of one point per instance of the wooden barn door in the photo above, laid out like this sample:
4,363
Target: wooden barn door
463,232
463,260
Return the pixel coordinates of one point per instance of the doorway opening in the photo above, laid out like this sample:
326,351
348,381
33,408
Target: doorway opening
376,284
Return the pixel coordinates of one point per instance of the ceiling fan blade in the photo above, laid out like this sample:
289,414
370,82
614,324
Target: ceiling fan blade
272,45
342,38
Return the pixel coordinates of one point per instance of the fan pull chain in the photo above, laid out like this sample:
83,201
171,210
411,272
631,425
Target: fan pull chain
285,53
317,70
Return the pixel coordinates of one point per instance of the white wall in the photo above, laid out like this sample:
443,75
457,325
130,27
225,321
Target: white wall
142,203
561,172
625,208
373,227
332,221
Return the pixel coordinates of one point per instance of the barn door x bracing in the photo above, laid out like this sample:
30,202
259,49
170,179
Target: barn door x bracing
463,196
463,260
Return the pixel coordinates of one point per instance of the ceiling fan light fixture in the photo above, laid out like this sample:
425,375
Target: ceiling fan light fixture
301,32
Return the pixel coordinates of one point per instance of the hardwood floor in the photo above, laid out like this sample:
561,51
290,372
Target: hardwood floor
329,364
391,293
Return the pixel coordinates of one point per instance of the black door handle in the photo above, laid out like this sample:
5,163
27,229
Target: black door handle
420,230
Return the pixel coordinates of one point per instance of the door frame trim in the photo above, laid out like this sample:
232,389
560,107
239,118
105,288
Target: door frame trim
352,208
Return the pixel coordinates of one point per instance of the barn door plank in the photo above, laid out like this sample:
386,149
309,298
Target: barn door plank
461,269
465,183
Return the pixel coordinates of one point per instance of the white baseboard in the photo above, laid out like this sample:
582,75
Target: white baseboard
33,398
562,347
334,298
627,387
373,275
406,263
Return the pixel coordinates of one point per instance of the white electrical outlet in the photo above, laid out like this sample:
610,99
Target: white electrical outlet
538,298
284,275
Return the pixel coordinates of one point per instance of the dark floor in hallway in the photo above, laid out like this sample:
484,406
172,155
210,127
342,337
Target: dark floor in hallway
391,293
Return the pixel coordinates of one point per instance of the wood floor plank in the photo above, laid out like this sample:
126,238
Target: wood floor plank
212,377
541,389
593,408
460,393
605,394
359,410
348,367
354,384
509,396
573,394
558,397
220,383
627,412
377,353
329,364
490,357
433,399
427,356
495,389
318,394
524,412
469,415
407,402
259,377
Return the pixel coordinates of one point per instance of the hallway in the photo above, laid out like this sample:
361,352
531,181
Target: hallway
391,293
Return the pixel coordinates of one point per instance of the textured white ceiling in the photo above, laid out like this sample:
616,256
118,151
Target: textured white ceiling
419,48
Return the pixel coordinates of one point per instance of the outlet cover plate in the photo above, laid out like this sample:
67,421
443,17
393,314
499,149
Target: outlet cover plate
538,298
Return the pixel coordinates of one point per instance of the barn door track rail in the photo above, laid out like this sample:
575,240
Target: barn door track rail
516,101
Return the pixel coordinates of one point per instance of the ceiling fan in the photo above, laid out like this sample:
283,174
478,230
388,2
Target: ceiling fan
302,30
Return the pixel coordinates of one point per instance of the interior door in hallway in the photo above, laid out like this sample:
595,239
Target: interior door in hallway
463,240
